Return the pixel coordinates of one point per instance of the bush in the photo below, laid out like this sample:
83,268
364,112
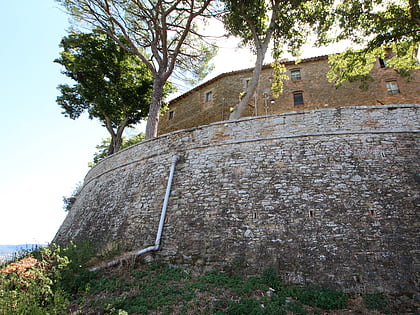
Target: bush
321,297
271,278
376,302
41,282
75,276
27,286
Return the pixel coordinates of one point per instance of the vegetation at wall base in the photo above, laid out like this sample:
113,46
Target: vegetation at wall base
56,280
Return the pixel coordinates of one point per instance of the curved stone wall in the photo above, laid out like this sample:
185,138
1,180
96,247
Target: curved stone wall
326,196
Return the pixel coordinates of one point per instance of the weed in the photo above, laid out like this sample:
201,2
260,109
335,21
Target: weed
75,277
295,308
220,278
376,302
249,285
60,274
321,297
271,278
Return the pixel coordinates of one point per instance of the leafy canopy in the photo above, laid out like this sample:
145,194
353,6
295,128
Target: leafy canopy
387,29
163,34
285,23
112,85
102,148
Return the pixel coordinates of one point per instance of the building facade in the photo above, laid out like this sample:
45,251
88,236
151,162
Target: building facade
307,88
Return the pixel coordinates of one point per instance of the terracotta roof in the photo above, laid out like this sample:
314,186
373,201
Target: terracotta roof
236,72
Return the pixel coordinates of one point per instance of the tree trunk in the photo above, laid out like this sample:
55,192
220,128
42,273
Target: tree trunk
261,47
239,109
116,137
115,144
117,140
154,109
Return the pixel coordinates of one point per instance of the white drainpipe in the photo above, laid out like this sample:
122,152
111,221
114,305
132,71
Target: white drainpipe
164,207
175,159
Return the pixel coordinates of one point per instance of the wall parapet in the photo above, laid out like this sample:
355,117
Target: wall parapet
322,122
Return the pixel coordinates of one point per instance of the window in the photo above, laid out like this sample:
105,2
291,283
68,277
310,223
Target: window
209,96
382,63
170,115
295,75
246,83
392,87
298,98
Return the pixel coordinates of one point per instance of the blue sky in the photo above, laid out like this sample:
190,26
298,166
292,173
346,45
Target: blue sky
44,154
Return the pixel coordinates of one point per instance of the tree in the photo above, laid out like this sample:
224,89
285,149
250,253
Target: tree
104,145
163,34
258,22
112,85
386,29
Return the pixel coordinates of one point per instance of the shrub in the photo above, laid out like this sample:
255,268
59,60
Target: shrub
321,297
27,286
271,278
376,302
75,276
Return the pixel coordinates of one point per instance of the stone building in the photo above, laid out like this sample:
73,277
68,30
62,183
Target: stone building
308,88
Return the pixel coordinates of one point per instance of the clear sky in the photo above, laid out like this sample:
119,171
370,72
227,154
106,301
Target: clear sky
44,154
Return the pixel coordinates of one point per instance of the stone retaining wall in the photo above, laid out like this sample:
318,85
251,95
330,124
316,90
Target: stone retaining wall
326,196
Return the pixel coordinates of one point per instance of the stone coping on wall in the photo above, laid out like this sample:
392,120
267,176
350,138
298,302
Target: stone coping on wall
398,118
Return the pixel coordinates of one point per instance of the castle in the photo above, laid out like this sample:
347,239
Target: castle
327,194
307,88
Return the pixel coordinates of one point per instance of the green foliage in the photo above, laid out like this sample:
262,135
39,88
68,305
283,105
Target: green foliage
75,277
154,288
30,285
351,66
378,22
289,21
102,149
271,278
279,75
321,297
58,275
238,16
112,85
378,26
355,65
245,306
69,201
163,34
376,302
43,281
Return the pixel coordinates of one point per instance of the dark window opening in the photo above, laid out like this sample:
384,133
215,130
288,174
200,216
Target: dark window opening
298,98
170,115
209,96
382,63
247,81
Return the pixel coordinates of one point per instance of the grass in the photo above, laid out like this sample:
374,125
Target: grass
55,280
